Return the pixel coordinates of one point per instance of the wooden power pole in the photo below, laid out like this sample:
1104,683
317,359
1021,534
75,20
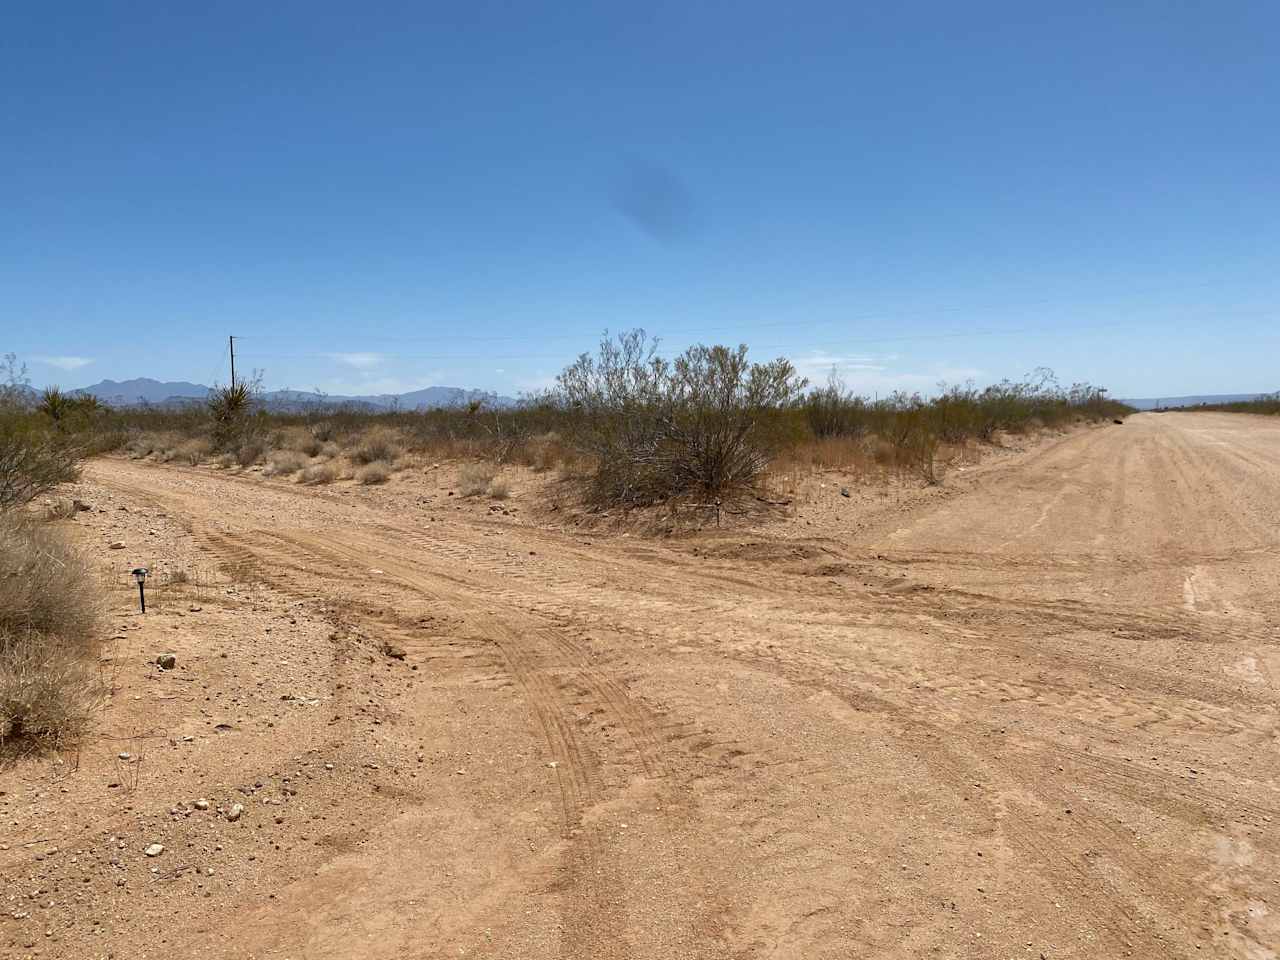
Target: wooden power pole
232,342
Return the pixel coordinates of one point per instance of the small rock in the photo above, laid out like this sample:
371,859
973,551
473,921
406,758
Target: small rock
201,804
116,545
234,813
123,755
80,506
166,661
154,850
844,491
393,651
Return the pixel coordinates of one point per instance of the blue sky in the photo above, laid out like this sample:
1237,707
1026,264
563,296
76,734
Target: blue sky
379,197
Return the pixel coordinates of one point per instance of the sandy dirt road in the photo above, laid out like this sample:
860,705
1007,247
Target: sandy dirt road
1034,717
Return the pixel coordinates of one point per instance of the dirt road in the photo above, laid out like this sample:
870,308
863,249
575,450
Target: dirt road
1033,716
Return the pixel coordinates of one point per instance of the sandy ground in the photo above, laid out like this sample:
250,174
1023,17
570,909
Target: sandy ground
1032,713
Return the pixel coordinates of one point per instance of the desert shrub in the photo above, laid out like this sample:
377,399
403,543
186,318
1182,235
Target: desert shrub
378,444
283,463
231,410
474,478
48,617
47,693
298,439
914,426
33,462
329,450
379,471
659,428
250,452
195,451
43,581
323,430
544,452
320,473
1266,404
499,489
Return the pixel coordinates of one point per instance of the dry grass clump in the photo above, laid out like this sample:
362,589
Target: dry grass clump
499,489
379,471
47,693
48,616
378,444
474,478
247,454
329,450
284,463
43,581
544,452
319,473
298,439
194,452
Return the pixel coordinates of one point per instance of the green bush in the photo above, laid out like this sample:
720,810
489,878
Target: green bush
33,461
657,428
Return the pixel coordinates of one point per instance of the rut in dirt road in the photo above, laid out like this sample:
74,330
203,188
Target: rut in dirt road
1036,713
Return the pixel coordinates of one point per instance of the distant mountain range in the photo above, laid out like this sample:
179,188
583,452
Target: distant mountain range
1156,403
143,391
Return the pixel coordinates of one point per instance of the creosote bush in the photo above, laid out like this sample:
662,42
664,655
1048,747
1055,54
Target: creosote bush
32,461
705,423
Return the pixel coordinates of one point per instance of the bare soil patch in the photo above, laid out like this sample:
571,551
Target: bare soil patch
1030,712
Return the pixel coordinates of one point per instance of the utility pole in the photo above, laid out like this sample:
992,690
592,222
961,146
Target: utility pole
232,342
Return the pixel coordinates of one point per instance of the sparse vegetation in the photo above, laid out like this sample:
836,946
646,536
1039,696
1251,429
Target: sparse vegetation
624,426
250,452
705,423
379,471
32,461
194,452
474,479
48,616
378,445
1268,405
320,473
283,463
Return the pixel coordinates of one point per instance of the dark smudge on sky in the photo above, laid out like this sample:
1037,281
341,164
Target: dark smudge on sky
656,201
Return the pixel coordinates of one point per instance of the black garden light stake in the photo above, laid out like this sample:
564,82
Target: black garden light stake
140,574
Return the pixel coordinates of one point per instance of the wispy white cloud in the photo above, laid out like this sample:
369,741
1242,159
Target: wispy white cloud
375,386
361,361
819,364
868,375
64,363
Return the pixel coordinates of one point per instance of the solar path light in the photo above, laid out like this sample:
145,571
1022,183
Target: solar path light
140,574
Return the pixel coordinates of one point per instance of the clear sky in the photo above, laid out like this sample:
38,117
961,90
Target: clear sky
383,196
